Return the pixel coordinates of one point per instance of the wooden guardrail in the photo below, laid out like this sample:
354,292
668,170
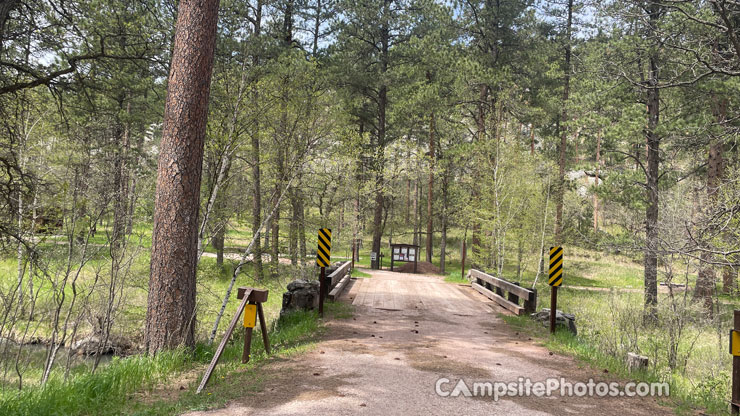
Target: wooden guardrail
494,289
338,280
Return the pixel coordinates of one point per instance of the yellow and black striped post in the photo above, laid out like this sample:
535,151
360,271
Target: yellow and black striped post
323,259
555,280
556,266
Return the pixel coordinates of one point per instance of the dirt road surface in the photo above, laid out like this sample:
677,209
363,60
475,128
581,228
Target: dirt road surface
409,331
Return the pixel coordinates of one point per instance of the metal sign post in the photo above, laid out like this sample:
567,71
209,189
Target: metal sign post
323,260
735,351
556,279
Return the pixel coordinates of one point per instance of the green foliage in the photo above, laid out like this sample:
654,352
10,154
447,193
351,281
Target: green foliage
98,393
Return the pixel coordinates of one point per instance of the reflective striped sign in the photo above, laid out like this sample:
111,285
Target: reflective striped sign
556,266
323,253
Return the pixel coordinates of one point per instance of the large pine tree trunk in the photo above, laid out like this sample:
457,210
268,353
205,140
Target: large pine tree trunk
294,227
416,212
275,246
563,131
256,174
481,132
218,243
430,193
301,226
653,164
380,158
706,278
170,320
443,237
120,186
408,200
596,182
729,273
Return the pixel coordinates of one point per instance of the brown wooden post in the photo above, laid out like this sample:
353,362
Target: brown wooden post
322,284
530,305
512,297
263,325
462,275
354,250
735,404
222,345
553,307
247,343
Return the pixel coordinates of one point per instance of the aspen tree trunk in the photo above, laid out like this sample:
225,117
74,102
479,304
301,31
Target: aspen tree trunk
170,319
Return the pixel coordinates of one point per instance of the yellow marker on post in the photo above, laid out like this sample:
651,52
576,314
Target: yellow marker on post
250,316
735,343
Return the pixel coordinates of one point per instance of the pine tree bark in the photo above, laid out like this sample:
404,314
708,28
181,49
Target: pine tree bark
596,182
443,237
275,246
563,130
120,187
531,139
481,132
706,277
302,230
170,320
653,166
729,273
379,157
293,227
416,211
430,193
256,174
408,200
218,243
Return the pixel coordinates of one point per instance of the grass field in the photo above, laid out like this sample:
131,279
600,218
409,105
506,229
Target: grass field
137,385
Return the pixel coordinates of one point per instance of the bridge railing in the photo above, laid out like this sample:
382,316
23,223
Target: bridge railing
505,293
338,280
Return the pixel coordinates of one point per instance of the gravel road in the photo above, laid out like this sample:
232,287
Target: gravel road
409,331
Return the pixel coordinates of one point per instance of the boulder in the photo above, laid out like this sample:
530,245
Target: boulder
301,295
90,345
563,320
